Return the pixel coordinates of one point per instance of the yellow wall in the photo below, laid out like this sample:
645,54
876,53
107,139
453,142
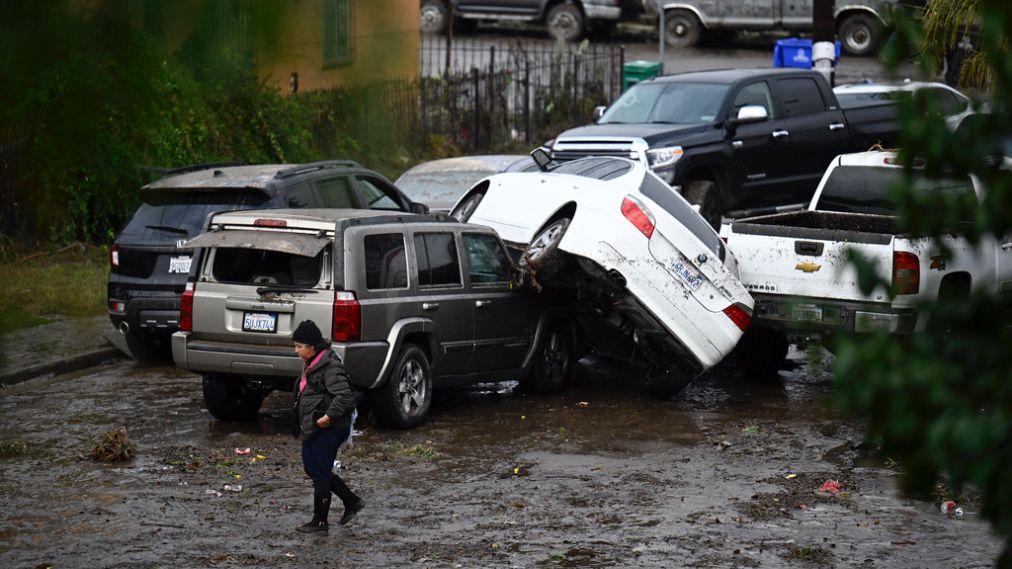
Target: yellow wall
385,40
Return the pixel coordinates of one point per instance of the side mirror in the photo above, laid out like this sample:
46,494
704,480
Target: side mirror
541,157
419,208
749,114
599,112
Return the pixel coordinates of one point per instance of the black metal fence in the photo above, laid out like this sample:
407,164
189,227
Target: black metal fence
490,96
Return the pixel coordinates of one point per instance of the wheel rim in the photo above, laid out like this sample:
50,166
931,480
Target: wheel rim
678,30
555,359
412,389
431,18
859,38
544,240
564,24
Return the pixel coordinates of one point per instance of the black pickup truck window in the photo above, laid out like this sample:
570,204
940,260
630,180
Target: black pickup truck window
866,189
756,94
667,103
800,96
676,206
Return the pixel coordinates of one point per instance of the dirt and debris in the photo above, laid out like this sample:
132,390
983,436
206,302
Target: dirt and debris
113,446
622,481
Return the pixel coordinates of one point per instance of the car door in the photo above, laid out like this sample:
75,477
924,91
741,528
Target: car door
441,298
815,134
374,193
504,319
756,153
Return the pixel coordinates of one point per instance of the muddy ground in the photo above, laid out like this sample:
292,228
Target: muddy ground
725,475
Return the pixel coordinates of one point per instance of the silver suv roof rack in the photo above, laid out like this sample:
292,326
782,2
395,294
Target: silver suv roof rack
312,166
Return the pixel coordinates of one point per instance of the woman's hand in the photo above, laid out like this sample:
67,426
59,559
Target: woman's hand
323,422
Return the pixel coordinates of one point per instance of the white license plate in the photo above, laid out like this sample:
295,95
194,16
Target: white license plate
180,264
686,274
807,312
259,322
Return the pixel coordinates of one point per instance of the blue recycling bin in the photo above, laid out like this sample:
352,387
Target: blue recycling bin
796,52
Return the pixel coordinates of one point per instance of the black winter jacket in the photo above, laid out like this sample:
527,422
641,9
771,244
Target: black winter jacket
328,391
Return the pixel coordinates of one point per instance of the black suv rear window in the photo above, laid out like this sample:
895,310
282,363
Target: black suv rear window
169,215
251,266
385,261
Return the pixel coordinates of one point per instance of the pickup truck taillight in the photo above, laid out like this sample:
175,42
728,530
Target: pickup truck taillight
347,323
638,215
114,257
740,315
186,308
906,273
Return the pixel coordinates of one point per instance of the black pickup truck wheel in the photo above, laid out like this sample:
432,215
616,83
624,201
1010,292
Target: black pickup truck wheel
229,399
704,193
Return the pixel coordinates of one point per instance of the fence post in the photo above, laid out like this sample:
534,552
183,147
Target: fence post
621,70
490,96
527,101
477,108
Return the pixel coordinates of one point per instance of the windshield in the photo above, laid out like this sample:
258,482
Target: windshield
676,103
439,190
865,189
171,215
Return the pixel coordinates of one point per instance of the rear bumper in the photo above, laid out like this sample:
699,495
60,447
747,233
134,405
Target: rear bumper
276,365
830,316
145,309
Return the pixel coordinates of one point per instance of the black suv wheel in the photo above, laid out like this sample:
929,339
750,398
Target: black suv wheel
229,399
404,400
142,346
550,369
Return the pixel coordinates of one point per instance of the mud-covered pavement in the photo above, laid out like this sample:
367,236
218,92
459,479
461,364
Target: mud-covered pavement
725,475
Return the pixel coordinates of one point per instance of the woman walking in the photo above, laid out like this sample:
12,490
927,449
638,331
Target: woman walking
324,402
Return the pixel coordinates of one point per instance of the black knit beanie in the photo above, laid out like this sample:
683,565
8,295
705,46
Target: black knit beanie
308,333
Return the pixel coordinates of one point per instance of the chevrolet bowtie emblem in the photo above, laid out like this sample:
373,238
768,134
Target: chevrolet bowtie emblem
808,267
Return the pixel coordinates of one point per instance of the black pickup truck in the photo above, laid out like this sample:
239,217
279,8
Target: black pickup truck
733,139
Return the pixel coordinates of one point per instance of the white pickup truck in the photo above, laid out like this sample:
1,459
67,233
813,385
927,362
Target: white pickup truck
796,266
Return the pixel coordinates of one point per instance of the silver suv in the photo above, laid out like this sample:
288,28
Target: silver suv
410,302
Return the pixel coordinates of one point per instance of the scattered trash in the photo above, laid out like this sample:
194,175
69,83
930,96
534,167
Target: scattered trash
751,429
12,448
495,546
582,404
212,492
113,447
261,457
904,542
233,487
831,486
791,476
522,417
237,476
243,451
959,513
337,467
948,508
802,506
723,445
289,554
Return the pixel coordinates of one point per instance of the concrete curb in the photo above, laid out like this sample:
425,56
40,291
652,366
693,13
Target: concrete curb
65,365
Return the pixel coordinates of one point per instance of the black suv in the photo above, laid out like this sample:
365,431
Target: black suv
148,267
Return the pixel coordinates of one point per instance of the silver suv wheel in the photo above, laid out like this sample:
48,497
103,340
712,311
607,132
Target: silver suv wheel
412,388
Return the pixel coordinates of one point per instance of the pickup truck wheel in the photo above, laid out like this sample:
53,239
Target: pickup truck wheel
433,16
542,257
681,29
665,384
761,352
565,22
859,34
550,368
229,399
704,194
403,401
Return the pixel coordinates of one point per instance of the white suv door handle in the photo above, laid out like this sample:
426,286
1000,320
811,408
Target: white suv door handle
482,303
836,126
430,306
778,134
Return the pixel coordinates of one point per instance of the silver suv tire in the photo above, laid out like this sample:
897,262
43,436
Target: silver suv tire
403,401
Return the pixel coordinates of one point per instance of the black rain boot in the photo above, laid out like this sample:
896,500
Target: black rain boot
352,503
321,509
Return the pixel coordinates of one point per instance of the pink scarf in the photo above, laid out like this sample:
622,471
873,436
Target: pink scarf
316,360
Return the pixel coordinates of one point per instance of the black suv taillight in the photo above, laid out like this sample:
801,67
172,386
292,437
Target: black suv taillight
347,323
